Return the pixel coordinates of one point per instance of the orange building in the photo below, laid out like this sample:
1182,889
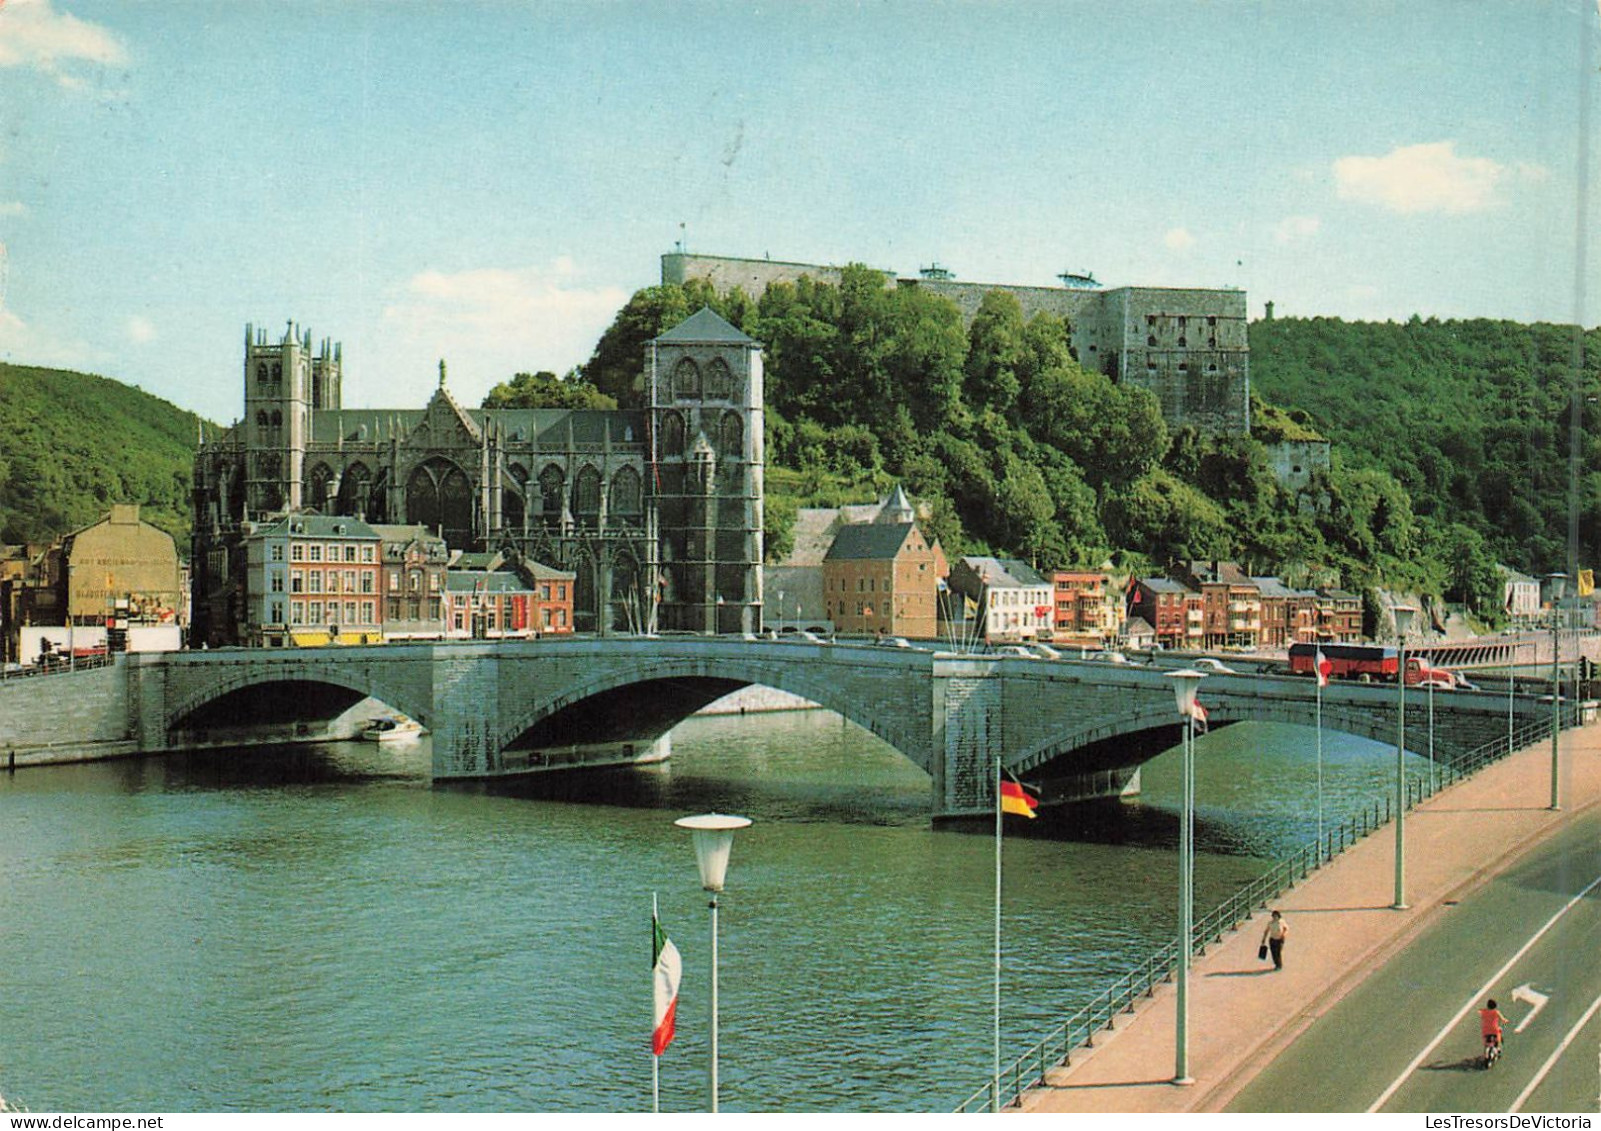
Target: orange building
882,577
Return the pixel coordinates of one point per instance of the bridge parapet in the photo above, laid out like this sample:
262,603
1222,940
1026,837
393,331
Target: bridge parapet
950,714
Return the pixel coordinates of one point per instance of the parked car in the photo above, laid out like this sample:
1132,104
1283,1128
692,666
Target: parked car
1212,664
1045,651
1015,650
893,642
1107,657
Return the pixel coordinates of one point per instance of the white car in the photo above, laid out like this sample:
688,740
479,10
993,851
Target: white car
1015,650
1209,664
1046,652
1107,657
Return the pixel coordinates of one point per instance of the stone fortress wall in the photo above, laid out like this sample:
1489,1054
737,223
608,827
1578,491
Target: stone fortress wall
1188,346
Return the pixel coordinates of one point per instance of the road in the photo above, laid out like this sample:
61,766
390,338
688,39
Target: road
1407,1039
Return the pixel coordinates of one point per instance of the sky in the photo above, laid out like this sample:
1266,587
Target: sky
488,182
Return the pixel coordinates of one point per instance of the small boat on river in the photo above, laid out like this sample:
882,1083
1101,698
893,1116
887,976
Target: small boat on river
396,728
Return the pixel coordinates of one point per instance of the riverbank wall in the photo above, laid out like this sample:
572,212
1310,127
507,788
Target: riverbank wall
79,716
84,716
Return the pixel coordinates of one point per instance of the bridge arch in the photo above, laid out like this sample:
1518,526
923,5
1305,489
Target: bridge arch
823,688
1158,715
341,677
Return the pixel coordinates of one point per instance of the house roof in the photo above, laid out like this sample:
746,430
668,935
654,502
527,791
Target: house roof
871,541
1164,585
304,524
1001,573
482,581
705,325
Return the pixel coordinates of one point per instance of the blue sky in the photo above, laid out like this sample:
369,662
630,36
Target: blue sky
489,182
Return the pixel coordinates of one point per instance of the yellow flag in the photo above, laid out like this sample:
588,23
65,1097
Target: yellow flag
1586,582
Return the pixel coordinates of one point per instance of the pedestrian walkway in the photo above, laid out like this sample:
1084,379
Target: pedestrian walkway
1342,927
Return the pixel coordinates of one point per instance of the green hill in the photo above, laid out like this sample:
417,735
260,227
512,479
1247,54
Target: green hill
75,443
1470,417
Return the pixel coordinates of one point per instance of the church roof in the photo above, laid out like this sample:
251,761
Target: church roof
705,325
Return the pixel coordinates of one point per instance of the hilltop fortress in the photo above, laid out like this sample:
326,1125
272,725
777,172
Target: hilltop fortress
1186,345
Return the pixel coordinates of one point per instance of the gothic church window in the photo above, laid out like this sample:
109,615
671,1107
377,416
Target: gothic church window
719,382
732,435
686,380
586,498
672,435
626,497
552,485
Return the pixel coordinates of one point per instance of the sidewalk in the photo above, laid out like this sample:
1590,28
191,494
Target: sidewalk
1342,928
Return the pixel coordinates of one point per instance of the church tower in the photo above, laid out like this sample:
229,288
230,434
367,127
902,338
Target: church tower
284,383
705,386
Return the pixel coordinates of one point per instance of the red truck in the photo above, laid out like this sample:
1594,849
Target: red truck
1370,662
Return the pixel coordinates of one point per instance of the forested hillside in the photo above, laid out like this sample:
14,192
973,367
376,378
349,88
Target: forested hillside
71,444
1470,417
1449,440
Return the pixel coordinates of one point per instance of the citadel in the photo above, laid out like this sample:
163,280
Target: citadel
657,512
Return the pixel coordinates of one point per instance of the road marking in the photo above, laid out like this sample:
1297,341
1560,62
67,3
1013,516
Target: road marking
1528,993
1483,990
1550,1061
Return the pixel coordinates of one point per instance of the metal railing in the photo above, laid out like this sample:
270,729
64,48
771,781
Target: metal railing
61,666
1119,998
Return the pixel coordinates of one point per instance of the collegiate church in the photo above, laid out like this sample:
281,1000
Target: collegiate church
657,511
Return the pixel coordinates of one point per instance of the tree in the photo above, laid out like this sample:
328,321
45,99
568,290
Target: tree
997,353
545,390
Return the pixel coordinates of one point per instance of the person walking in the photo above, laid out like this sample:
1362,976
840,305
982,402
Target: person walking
1273,938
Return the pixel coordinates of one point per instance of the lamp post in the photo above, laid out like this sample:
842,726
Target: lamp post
713,837
1557,583
1185,683
1403,624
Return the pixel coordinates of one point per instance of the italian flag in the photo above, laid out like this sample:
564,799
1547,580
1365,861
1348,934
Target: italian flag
668,967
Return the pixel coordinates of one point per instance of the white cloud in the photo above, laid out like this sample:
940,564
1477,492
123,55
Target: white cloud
26,344
1179,239
492,322
1294,229
1427,178
34,34
13,208
139,329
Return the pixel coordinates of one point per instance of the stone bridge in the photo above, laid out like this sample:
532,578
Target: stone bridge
501,708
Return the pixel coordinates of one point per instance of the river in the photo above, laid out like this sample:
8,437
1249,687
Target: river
317,929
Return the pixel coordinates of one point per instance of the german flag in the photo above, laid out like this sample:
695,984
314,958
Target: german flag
1016,799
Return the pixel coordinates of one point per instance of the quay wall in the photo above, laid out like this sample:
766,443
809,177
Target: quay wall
84,716
66,716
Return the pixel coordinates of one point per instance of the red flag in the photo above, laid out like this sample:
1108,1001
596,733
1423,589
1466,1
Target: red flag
1198,713
1322,666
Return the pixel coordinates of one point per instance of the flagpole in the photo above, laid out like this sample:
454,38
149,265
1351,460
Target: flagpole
995,1092
1317,663
655,1061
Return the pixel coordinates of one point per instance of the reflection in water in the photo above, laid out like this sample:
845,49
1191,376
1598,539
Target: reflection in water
315,928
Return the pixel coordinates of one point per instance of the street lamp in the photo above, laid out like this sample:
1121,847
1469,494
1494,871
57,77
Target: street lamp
1557,583
1185,683
1403,624
713,837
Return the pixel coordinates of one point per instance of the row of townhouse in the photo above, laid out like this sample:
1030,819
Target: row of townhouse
1213,605
871,570
311,579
